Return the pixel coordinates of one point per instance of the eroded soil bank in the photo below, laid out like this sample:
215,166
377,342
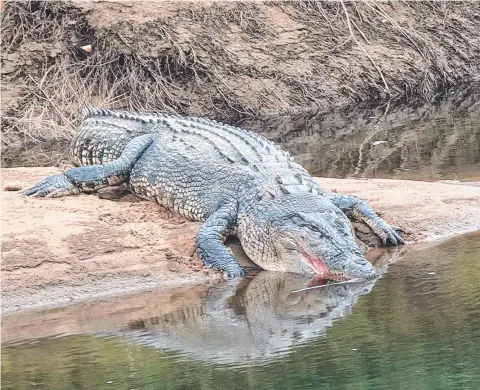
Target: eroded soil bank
55,251
230,61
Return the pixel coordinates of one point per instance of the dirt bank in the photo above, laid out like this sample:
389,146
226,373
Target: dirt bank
55,251
224,60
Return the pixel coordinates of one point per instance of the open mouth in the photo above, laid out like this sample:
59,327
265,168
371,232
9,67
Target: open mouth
320,268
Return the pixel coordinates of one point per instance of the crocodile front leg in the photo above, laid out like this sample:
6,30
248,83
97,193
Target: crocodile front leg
210,242
93,177
361,211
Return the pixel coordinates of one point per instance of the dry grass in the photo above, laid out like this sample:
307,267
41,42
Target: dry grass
54,78
368,21
56,89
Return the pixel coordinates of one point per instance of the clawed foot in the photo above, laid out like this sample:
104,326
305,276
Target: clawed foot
383,230
360,211
52,187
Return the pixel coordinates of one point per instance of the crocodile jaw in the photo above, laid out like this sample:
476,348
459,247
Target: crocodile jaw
352,271
320,269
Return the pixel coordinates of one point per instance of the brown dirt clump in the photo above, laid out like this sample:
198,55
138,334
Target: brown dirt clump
225,60
59,250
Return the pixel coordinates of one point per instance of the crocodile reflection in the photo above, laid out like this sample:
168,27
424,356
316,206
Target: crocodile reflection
250,320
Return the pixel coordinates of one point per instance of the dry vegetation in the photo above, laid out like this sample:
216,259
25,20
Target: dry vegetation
228,60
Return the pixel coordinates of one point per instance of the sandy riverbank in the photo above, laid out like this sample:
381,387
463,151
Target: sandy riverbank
57,251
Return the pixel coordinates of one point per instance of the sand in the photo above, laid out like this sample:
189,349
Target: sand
59,251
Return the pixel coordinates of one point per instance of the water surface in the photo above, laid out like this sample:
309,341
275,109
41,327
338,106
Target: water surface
438,140
427,141
418,327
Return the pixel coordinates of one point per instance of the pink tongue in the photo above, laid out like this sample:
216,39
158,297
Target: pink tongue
319,266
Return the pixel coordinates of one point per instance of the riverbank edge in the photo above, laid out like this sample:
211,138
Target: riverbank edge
61,251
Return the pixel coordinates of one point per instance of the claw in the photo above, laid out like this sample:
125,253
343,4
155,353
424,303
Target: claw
52,187
384,231
392,238
363,212
400,240
237,274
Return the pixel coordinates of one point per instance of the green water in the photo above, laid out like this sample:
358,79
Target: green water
418,327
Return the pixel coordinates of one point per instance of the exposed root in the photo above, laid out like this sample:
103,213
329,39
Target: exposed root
352,35
285,55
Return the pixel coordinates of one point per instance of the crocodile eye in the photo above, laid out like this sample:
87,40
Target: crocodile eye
313,228
298,221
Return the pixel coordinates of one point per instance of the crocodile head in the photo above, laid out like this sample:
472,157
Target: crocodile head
310,235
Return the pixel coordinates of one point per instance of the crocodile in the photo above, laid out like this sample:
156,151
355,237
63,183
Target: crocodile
270,316
234,181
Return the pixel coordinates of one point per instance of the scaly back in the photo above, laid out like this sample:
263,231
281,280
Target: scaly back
104,133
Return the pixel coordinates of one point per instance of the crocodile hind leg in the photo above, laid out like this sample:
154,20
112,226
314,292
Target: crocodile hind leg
93,177
210,242
361,211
